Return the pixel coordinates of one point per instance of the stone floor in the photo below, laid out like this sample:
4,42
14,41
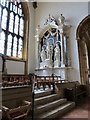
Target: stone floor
80,112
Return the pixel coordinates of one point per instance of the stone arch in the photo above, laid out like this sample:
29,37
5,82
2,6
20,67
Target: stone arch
83,41
26,10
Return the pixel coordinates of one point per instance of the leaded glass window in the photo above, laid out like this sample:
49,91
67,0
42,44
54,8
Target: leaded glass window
20,48
11,22
21,27
16,25
15,47
2,42
9,45
12,25
4,19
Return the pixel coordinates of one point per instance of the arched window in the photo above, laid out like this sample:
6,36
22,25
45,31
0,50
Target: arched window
12,25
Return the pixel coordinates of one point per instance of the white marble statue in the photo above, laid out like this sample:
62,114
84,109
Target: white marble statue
57,53
61,19
57,56
43,55
51,52
48,51
61,23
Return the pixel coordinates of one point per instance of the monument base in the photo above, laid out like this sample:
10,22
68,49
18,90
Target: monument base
56,64
42,65
48,63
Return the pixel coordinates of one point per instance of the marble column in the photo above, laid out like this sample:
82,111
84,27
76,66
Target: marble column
61,29
37,49
62,50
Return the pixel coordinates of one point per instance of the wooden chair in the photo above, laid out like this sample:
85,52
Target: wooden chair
20,112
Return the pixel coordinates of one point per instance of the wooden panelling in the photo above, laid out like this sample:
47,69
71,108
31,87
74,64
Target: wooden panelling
66,85
62,86
12,96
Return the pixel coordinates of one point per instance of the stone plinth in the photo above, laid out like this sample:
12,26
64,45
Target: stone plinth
48,63
56,64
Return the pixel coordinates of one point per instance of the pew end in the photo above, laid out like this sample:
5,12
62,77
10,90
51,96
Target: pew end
20,112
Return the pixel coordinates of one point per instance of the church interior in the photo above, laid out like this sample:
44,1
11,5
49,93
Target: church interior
44,60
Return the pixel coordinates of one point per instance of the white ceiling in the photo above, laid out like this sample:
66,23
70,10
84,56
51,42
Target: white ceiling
62,0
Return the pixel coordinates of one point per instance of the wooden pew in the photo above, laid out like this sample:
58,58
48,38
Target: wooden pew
20,112
76,93
47,81
15,80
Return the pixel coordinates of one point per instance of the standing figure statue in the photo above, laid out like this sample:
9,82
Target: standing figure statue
43,54
51,52
61,23
48,51
57,53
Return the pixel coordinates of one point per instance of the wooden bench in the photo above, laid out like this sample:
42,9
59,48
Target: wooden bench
20,112
15,80
43,81
47,81
76,93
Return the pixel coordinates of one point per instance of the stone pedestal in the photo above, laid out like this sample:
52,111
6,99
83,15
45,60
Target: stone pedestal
48,63
56,64
42,65
66,73
62,65
44,72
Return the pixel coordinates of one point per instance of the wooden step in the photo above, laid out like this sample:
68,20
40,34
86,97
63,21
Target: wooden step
46,99
49,106
39,94
58,111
